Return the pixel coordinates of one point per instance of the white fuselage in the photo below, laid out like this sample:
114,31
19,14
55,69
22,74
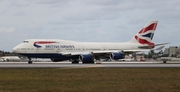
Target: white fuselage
63,46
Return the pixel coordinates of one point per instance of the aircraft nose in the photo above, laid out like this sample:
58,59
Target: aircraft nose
15,50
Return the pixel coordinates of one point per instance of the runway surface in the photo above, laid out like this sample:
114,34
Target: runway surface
67,65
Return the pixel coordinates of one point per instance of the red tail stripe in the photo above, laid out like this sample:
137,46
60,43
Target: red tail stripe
150,27
143,41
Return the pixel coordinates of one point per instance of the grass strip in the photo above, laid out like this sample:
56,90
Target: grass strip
90,80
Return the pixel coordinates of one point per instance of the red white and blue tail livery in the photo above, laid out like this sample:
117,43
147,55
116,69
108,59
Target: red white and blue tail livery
87,52
145,35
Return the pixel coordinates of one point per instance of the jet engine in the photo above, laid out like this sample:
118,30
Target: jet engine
116,56
86,58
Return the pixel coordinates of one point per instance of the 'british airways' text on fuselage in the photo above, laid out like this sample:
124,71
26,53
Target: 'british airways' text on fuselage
59,46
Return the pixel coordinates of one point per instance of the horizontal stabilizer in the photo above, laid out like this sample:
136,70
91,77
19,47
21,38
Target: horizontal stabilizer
150,46
160,48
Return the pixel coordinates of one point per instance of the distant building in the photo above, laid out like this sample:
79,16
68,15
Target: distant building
172,51
166,51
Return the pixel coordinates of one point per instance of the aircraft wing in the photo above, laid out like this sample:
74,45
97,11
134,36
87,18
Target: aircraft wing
74,53
96,53
160,48
93,52
102,53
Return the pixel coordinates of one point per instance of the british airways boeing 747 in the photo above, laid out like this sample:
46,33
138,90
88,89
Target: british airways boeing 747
87,52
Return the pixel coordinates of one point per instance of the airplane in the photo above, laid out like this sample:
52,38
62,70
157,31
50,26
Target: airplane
87,52
10,58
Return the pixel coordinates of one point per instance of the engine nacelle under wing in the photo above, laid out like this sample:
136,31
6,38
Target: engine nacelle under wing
86,58
116,56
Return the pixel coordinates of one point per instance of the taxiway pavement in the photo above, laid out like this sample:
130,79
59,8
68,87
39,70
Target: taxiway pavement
103,64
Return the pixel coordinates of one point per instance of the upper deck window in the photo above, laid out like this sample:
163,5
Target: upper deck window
25,41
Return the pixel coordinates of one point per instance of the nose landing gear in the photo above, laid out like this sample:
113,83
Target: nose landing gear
29,60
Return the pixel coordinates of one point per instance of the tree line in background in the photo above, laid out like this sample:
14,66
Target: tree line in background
5,53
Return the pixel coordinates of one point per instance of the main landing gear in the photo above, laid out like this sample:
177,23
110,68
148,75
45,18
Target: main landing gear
76,61
29,60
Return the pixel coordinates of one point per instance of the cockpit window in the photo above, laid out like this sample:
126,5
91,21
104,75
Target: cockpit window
25,41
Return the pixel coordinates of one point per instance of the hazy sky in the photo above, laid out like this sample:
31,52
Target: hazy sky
86,20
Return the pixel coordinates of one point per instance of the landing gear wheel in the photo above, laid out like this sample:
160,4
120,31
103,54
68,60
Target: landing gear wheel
75,62
29,62
88,62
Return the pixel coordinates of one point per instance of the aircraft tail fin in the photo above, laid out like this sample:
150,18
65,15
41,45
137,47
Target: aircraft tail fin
145,35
